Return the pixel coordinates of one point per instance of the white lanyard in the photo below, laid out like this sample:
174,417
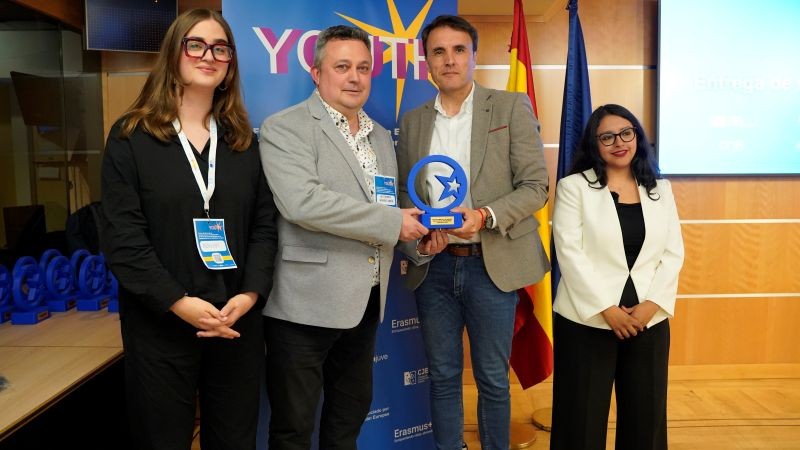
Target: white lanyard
206,192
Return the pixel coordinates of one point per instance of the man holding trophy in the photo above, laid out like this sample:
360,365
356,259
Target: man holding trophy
472,279
332,172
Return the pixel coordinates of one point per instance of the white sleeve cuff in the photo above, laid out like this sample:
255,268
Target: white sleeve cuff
494,218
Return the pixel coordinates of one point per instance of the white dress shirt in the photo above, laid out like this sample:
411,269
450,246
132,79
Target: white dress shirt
452,136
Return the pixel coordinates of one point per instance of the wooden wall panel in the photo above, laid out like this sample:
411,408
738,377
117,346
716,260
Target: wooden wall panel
619,31
126,62
735,331
716,198
740,258
615,31
122,90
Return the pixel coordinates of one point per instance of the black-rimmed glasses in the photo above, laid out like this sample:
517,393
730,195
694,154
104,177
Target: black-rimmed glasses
197,48
625,135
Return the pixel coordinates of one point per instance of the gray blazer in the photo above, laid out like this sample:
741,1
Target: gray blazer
507,173
329,227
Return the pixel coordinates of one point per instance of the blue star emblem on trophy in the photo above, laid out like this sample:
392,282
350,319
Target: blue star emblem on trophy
455,186
450,184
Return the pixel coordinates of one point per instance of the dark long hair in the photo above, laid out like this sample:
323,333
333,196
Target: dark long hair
644,166
157,104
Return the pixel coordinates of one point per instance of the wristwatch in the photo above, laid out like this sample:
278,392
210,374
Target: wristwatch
489,219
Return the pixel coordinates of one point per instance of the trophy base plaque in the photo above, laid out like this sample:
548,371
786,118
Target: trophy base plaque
61,304
432,221
93,304
31,317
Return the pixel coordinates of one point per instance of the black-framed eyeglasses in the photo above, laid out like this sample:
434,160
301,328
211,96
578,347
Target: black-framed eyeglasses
625,135
197,48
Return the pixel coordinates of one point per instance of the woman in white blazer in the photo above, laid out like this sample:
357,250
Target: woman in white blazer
619,246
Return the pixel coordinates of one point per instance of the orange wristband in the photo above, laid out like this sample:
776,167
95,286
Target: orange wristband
483,218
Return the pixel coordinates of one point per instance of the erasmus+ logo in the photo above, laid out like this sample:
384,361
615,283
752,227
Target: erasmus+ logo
402,434
402,325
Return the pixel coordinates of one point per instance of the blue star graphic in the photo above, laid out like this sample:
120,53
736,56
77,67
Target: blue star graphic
450,184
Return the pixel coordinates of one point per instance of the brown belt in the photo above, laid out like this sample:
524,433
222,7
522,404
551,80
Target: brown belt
464,249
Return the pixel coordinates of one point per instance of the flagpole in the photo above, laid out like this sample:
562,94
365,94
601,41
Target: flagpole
575,111
531,353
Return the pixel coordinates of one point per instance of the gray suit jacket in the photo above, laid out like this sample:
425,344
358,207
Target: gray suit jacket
329,227
508,174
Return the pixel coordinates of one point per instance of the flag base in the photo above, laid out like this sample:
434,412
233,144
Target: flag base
522,435
542,418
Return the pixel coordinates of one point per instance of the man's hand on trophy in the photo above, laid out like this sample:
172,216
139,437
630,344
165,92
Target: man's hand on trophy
433,243
411,229
473,222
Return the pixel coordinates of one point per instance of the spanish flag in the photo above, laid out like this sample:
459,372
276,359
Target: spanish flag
532,347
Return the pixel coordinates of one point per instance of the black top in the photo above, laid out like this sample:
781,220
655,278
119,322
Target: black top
149,198
631,221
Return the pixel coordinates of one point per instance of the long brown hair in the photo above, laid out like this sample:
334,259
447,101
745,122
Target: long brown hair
157,104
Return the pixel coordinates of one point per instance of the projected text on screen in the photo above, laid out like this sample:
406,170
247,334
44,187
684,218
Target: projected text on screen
729,87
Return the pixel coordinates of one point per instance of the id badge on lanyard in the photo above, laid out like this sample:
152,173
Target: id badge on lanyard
385,190
209,234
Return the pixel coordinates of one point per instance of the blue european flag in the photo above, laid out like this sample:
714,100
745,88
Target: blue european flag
575,109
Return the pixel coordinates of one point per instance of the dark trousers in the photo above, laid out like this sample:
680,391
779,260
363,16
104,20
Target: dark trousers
302,360
588,362
167,365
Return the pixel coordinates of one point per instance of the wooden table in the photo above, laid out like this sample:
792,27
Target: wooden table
45,362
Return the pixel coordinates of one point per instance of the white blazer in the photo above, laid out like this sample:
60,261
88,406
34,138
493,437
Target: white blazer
590,253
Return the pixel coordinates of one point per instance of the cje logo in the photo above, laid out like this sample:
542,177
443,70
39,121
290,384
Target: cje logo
415,377
216,227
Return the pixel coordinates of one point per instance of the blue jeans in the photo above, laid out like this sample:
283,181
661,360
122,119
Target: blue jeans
458,292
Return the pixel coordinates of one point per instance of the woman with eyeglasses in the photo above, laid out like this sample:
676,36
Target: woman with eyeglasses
188,229
619,246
